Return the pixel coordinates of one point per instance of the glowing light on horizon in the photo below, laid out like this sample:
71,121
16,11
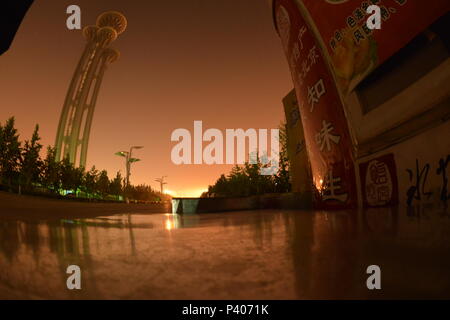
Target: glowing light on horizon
190,193
170,193
194,193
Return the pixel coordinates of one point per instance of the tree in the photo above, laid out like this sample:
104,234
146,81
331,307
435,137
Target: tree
10,153
90,181
102,185
220,188
145,193
246,180
50,175
31,163
115,187
71,177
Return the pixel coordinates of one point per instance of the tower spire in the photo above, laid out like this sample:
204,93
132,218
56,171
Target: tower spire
75,122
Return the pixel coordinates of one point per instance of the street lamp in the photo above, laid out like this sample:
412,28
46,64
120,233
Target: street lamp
128,161
162,183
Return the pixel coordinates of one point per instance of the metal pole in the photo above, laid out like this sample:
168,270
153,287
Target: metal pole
129,166
161,183
127,180
128,160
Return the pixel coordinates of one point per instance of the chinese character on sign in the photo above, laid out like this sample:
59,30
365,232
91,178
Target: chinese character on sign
300,36
333,44
378,184
307,62
378,172
305,69
331,186
325,137
314,94
359,14
313,56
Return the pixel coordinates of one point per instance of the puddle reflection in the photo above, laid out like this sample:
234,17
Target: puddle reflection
253,254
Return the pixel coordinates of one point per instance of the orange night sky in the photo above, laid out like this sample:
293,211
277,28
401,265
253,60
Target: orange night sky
182,60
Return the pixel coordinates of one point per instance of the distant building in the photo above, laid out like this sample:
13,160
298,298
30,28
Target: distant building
374,104
299,169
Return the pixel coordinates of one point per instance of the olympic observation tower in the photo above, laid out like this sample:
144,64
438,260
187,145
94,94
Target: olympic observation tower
75,122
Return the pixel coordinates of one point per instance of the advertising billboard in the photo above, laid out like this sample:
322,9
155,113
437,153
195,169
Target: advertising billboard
356,50
327,137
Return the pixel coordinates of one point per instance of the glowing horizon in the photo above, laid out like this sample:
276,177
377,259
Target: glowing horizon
186,193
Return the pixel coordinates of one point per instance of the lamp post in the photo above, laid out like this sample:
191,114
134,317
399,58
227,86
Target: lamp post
128,155
162,183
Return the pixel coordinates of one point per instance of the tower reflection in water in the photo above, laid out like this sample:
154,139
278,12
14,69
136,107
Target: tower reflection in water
241,255
31,248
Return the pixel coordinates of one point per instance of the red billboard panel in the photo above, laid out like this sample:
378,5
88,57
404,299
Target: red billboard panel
355,50
327,137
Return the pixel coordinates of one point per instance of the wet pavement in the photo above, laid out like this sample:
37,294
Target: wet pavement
238,255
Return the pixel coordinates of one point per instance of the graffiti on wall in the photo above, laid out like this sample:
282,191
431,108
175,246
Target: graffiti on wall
442,171
418,177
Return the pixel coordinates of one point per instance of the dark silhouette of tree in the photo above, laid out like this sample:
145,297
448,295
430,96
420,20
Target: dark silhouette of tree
116,185
10,153
146,193
23,168
50,175
246,180
31,163
90,181
71,177
102,185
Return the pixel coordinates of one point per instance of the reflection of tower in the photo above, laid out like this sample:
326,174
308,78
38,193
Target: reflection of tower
79,105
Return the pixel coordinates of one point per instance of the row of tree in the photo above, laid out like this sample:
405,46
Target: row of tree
247,180
23,170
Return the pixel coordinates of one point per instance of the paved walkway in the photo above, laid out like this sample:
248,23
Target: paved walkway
236,255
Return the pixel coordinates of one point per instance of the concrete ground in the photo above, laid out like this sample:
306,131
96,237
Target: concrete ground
238,255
